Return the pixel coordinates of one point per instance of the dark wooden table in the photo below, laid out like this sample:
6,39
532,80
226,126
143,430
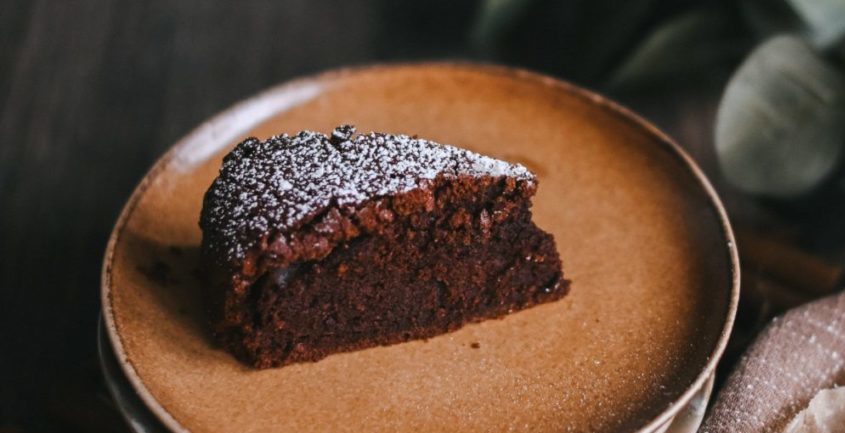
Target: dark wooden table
91,92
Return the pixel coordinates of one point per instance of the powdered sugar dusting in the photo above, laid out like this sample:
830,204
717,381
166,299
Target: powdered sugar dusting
284,181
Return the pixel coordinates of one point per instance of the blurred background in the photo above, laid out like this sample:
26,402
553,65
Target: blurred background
92,91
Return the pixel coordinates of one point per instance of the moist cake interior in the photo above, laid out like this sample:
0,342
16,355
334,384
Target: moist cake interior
321,244
417,274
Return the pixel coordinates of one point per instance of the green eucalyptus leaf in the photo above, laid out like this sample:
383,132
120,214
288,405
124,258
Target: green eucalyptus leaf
824,19
706,32
582,40
822,22
770,17
780,127
494,18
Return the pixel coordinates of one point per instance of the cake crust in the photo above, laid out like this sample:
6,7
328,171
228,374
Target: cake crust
286,181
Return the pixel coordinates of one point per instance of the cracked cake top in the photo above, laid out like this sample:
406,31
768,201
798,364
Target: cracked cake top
283,182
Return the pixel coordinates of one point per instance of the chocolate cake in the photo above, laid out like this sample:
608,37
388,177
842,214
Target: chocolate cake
321,244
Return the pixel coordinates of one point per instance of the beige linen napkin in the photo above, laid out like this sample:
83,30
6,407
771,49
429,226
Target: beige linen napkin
795,357
825,414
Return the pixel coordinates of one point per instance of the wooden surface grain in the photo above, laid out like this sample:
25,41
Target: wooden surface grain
91,92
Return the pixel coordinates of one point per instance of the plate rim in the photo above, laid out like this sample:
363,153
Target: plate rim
612,107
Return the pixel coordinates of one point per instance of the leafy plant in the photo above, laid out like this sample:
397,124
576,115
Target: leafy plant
780,127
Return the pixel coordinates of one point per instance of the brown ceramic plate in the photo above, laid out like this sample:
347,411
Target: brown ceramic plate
641,233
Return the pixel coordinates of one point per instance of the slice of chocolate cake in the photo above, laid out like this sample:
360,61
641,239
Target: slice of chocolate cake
318,244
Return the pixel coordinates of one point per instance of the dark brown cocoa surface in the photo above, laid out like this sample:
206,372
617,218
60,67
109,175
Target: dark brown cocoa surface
328,269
